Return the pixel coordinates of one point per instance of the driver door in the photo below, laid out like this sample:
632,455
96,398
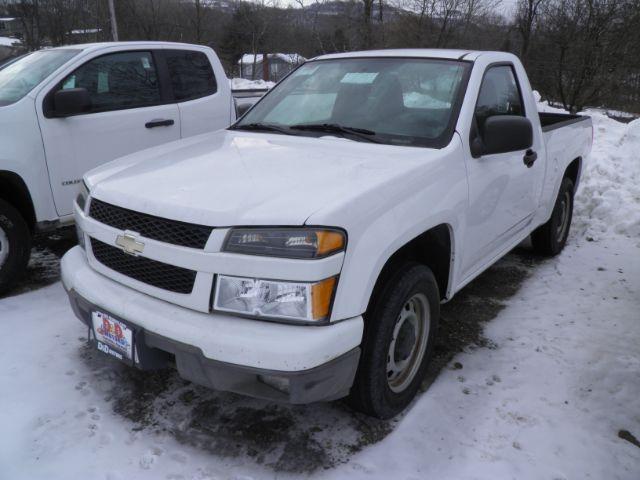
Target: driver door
501,187
129,112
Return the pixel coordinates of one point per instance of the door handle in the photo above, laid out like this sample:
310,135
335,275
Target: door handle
530,158
159,123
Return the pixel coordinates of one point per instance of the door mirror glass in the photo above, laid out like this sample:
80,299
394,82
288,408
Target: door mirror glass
502,134
71,102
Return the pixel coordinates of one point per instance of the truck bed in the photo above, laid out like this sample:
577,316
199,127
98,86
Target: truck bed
551,121
244,99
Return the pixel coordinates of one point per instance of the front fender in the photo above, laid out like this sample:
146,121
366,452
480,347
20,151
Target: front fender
383,221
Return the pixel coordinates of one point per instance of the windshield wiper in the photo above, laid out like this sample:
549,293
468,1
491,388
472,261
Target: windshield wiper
262,127
362,133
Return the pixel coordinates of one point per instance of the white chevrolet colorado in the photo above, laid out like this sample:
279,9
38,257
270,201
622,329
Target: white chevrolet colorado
64,111
302,254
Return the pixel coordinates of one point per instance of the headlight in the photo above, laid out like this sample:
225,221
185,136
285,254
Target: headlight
306,302
303,243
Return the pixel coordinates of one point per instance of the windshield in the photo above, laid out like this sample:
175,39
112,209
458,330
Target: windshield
402,101
21,76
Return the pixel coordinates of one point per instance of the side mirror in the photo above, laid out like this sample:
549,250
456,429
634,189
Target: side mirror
503,133
71,102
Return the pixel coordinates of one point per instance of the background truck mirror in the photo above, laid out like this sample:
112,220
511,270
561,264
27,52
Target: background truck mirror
71,102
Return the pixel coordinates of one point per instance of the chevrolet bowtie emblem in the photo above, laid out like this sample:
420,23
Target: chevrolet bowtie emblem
129,244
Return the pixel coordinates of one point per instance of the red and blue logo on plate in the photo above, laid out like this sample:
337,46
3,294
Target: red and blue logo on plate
112,331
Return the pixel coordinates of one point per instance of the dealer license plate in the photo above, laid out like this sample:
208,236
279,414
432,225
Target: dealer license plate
112,336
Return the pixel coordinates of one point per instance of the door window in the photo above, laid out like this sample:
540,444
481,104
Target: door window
499,95
118,81
191,74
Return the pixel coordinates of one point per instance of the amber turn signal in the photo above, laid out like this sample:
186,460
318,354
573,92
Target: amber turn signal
321,298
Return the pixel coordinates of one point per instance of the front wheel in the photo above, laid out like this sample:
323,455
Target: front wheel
550,238
399,333
15,246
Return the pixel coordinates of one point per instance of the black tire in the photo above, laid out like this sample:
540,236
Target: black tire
549,239
15,233
372,392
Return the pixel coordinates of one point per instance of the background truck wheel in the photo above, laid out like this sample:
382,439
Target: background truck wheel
550,238
398,339
15,246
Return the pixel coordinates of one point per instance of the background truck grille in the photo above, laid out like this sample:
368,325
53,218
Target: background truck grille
151,272
149,226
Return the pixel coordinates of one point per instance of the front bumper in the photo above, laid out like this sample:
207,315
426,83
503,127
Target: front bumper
224,352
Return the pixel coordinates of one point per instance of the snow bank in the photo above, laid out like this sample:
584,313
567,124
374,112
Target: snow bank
8,42
244,84
608,198
291,58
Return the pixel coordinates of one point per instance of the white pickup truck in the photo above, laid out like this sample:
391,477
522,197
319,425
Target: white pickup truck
64,111
302,254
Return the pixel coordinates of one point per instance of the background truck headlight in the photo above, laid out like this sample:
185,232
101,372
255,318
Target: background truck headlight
83,196
81,200
294,301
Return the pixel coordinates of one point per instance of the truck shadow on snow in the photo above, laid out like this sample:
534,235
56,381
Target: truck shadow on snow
44,264
293,438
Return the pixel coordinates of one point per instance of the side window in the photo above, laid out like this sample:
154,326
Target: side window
499,95
118,81
191,74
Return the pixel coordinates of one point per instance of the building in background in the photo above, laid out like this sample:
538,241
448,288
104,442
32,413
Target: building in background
84,35
10,38
252,66
10,27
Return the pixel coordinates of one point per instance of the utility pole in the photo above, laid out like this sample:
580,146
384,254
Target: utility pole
114,23
265,67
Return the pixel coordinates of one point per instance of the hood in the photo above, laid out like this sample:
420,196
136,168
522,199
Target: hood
238,178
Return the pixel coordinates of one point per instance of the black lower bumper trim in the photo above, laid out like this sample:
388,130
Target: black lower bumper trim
326,382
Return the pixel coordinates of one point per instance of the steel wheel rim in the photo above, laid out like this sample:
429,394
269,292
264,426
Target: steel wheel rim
564,217
4,247
408,343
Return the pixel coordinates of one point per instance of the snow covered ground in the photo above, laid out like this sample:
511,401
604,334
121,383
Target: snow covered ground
536,376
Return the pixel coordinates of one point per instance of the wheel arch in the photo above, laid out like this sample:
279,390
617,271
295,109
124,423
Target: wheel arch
433,248
14,190
574,171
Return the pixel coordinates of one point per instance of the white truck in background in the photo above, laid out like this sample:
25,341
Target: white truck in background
302,254
64,111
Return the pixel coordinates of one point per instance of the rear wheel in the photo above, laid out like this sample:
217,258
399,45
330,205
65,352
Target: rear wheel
399,332
550,238
15,246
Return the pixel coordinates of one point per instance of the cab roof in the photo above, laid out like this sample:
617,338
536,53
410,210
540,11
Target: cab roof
101,45
448,54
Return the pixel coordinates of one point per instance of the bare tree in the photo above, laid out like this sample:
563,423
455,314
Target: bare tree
28,11
585,44
526,17
367,10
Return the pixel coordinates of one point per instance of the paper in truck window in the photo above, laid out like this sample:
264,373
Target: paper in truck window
103,82
145,63
306,70
69,83
362,78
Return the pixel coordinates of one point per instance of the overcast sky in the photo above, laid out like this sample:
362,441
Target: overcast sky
508,6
